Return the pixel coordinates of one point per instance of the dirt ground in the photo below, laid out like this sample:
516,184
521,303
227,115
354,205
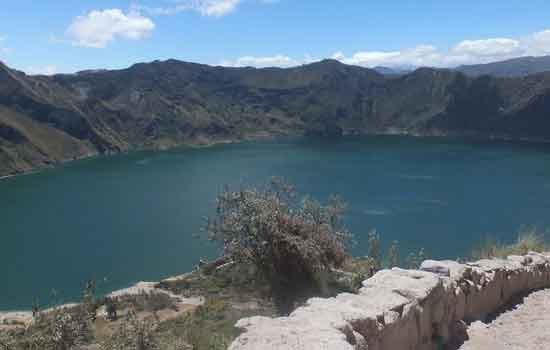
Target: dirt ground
526,327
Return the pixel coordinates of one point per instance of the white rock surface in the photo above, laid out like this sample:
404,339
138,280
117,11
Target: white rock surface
149,287
527,327
401,309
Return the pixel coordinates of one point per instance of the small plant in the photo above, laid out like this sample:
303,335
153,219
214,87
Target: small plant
374,254
415,259
393,254
133,334
111,309
357,281
35,307
152,302
209,326
59,329
89,304
8,340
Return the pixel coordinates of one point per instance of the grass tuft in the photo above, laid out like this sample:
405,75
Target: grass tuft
529,239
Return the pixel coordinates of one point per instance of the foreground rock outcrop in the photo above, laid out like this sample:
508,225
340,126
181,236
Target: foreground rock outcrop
402,309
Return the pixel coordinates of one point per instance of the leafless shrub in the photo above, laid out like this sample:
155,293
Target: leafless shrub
291,242
393,254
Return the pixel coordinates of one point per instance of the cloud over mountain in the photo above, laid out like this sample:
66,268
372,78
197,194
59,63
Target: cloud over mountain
464,52
98,28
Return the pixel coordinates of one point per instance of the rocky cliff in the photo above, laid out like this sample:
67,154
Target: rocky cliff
402,309
45,120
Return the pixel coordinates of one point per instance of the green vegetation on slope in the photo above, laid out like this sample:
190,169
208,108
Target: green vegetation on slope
45,120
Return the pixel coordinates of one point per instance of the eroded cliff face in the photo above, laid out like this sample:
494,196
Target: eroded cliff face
401,309
45,120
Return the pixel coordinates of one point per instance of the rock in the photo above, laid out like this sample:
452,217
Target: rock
401,309
411,284
437,267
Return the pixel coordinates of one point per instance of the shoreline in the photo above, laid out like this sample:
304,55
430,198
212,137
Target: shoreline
199,145
25,317
268,136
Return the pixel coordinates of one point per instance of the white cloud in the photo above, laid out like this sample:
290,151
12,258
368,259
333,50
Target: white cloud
417,56
464,52
97,28
213,8
217,8
538,44
488,47
267,61
45,70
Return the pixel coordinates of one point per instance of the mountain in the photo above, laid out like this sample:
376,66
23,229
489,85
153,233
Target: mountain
46,120
517,67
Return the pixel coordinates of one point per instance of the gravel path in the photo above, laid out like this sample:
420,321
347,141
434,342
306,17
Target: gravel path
526,327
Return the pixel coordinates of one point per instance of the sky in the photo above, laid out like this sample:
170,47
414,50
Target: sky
65,36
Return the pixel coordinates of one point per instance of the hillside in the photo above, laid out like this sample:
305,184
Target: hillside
45,120
516,67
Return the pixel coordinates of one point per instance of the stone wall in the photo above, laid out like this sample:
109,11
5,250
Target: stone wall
402,309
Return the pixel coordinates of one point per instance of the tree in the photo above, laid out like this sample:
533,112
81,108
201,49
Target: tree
290,242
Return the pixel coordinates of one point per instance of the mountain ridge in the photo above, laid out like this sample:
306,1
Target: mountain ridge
515,67
49,119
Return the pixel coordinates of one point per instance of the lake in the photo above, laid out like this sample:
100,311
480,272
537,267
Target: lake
133,217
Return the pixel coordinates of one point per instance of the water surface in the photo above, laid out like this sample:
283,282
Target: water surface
135,217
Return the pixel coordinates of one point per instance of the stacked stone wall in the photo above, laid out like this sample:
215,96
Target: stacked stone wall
402,309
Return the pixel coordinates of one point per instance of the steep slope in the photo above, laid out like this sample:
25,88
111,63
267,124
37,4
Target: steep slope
36,126
516,67
45,120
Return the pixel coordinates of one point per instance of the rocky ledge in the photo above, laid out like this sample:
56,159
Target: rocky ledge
402,309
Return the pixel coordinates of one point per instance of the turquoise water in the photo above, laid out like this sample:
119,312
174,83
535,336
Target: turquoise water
135,217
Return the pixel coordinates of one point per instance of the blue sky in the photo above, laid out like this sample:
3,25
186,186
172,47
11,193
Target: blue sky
65,36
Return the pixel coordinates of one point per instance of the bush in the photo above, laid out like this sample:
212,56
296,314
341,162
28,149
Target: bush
133,334
291,242
59,329
150,302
